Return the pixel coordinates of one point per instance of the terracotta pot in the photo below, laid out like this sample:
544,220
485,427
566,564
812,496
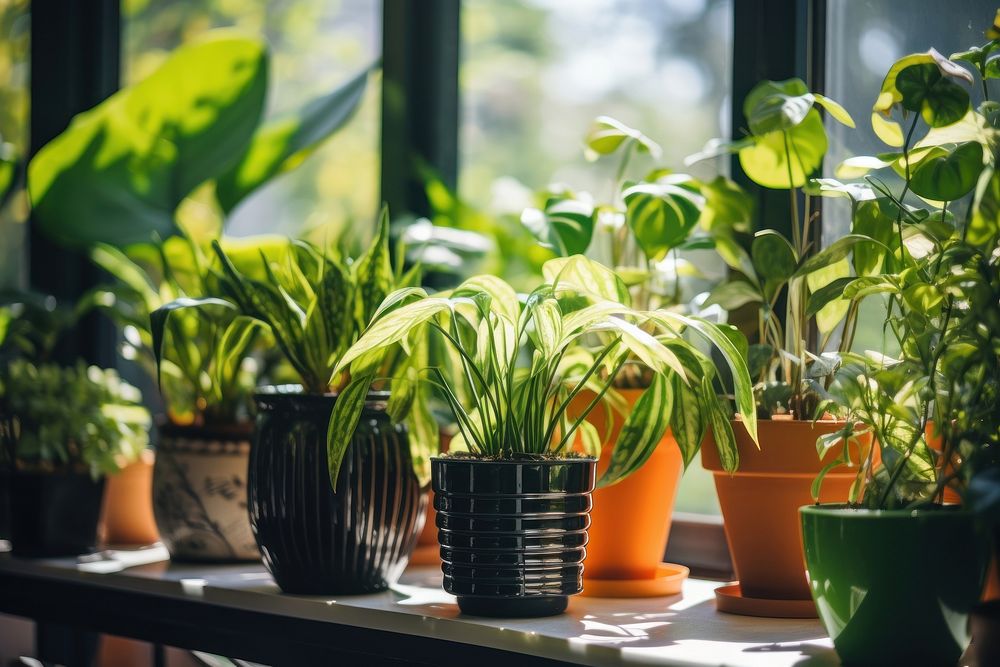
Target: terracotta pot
625,555
760,502
127,510
936,443
200,493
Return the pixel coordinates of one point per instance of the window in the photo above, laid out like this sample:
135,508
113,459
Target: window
14,99
315,45
863,40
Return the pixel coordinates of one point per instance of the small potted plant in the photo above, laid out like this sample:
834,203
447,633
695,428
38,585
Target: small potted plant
512,496
940,281
62,430
314,539
785,145
641,232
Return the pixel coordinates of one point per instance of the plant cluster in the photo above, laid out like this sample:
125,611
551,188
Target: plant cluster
519,364
74,417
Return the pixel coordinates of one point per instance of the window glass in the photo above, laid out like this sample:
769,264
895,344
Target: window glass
15,35
535,73
863,40
315,46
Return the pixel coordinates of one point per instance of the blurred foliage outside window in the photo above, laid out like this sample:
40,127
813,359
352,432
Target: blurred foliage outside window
15,35
315,46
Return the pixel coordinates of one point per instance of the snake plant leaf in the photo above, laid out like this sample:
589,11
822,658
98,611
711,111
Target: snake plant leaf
118,173
343,421
608,135
767,163
948,175
373,276
642,431
564,226
585,276
283,143
661,216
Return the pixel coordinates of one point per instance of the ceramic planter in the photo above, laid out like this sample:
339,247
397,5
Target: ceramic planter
625,558
315,541
200,493
127,512
895,587
54,514
760,504
513,533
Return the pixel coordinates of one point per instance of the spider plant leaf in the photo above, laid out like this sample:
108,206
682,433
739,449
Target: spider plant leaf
590,439
232,347
503,298
585,276
641,433
343,422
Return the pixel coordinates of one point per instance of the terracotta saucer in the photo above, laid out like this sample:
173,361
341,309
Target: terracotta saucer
668,581
730,599
426,554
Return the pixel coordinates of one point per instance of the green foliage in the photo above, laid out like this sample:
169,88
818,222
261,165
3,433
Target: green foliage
72,417
119,172
519,363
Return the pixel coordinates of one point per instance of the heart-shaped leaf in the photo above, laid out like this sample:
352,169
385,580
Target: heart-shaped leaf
948,175
799,149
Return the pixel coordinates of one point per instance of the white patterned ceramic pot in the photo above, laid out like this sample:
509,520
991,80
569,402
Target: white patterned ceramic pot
200,493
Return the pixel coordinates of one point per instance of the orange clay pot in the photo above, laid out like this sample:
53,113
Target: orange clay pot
630,521
936,443
127,509
428,551
760,502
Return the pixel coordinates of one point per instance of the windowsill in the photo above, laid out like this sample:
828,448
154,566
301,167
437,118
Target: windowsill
679,630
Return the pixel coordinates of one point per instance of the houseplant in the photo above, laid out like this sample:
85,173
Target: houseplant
941,281
640,231
167,157
512,496
313,539
785,144
62,430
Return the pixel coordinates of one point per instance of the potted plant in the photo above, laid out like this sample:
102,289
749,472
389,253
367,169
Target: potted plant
98,187
940,278
512,496
315,539
784,146
62,430
640,232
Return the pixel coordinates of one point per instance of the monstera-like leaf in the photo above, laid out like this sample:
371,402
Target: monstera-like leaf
118,173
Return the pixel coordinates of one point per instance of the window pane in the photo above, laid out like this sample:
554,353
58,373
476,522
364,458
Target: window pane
15,34
315,45
863,40
535,73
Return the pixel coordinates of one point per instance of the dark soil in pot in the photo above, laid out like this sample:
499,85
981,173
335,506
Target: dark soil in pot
54,513
513,533
315,541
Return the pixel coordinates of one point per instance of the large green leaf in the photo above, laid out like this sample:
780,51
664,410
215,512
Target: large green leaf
118,173
948,175
283,143
343,421
834,252
661,216
608,135
984,227
767,162
925,89
585,276
565,226
773,256
772,106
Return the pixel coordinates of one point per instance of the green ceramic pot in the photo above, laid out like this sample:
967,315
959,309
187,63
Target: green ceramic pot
895,587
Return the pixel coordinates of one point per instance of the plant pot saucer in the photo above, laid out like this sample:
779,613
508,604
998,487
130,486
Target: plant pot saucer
667,581
730,599
426,554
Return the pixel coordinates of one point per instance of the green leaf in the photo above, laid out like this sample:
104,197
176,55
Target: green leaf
833,312
876,219
948,175
585,276
924,88
733,294
727,206
834,252
984,227
688,419
118,173
283,143
722,430
836,111
566,226
773,256
831,187
860,165
773,106
830,292
641,433
373,275
608,135
158,320
232,347
766,162
343,422
661,216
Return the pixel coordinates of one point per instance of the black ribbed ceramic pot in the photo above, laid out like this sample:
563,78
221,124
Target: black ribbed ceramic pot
315,541
513,533
54,513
